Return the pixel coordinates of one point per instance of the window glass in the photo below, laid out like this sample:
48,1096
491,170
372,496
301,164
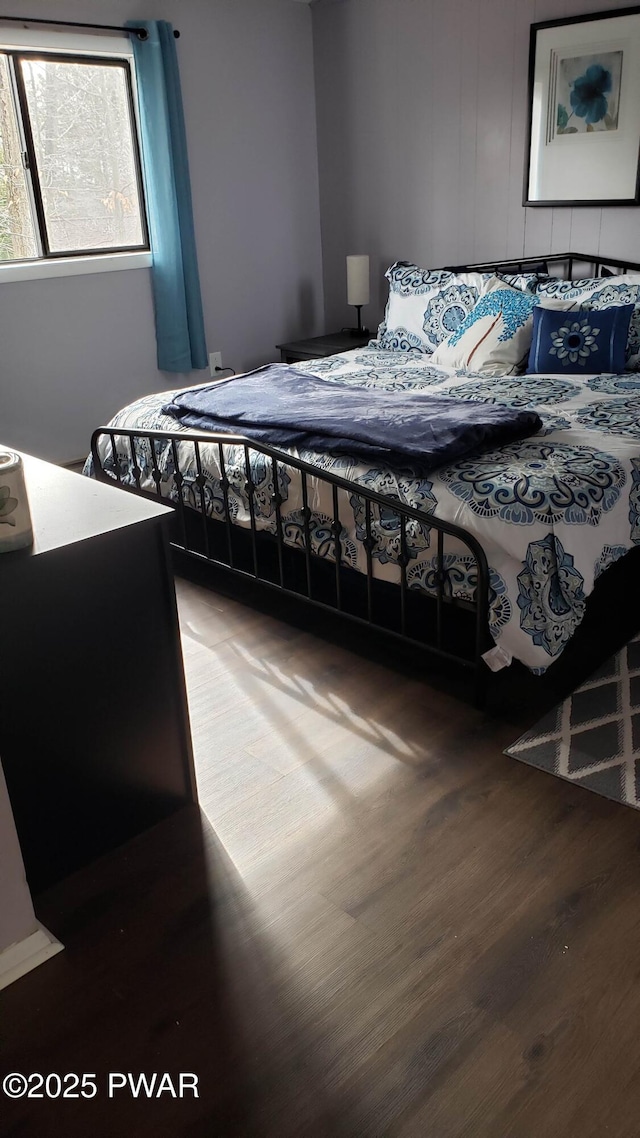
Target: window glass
17,229
81,126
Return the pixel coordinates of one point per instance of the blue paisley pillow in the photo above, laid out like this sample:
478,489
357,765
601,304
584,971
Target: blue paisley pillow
581,341
598,293
424,306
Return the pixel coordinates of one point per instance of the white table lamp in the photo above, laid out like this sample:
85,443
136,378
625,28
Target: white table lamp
358,287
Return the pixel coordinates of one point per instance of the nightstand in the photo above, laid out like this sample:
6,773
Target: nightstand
317,346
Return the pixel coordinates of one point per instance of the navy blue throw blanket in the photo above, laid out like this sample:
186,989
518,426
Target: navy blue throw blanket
283,407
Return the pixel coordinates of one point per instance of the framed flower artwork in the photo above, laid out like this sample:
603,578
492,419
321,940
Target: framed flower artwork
584,111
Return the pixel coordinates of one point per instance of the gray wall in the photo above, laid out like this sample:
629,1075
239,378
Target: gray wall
73,350
421,117
422,109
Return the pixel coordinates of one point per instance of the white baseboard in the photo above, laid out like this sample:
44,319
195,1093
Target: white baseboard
20,958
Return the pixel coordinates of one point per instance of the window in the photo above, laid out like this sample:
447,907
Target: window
70,180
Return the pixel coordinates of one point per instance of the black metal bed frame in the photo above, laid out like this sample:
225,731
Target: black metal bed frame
417,618
600,266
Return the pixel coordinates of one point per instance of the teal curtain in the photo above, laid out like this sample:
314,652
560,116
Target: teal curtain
176,283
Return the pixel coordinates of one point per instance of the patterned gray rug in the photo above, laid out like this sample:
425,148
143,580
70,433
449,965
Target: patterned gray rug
593,737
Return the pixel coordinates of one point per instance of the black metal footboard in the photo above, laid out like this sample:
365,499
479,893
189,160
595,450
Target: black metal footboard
170,467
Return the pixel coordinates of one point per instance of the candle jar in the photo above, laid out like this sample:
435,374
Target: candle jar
15,517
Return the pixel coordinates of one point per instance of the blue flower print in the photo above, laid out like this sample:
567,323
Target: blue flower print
610,553
518,391
574,342
622,294
615,384
385,529
446,311
392,379
400,340
460,579
551,595
385,358
321,536
588,96
410,280
616,416
535,481
317,367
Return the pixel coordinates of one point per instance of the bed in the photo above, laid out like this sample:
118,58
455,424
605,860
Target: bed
484,560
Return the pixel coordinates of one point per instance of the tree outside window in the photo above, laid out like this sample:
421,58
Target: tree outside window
69,162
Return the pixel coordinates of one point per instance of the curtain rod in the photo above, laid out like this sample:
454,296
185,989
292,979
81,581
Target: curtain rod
141,33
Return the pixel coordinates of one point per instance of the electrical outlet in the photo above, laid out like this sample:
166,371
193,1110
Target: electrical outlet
215,361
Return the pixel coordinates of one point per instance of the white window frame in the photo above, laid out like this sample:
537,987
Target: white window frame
65,43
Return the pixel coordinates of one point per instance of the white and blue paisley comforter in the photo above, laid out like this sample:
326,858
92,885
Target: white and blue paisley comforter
551,511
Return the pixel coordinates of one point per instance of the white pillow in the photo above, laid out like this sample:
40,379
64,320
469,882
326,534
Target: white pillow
495,337
425,306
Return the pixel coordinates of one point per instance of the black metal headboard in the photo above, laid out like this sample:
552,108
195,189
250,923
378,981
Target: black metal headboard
590,265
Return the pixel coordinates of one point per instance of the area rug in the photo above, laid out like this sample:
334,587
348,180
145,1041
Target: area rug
592,738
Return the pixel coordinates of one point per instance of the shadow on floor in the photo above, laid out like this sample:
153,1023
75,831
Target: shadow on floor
167,968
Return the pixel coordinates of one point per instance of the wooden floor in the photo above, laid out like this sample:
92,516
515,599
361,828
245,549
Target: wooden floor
379,925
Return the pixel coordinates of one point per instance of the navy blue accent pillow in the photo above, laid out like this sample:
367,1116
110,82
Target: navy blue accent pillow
581,340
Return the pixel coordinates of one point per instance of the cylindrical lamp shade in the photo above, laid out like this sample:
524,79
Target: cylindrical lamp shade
358,279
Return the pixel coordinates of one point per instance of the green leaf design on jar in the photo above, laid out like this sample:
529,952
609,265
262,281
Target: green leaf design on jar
7,506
